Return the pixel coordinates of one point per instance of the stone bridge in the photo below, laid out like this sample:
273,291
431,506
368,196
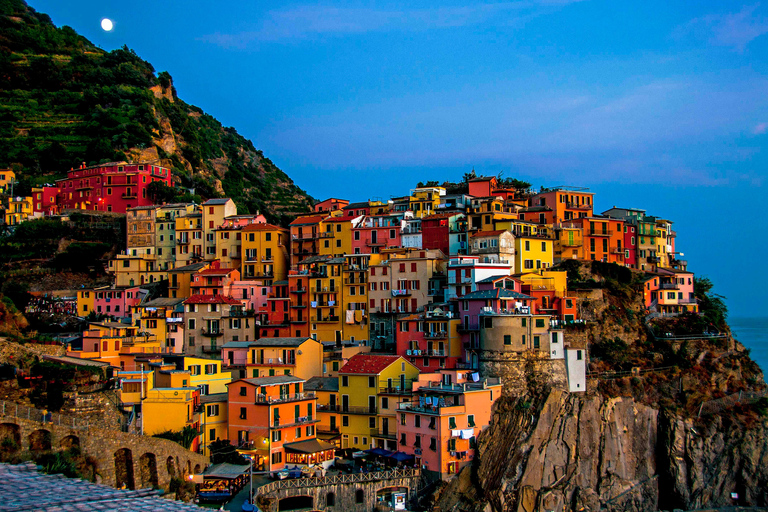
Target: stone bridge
357,491
122,459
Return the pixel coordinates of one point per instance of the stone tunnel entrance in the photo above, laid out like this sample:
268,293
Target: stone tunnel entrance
148,467
296,503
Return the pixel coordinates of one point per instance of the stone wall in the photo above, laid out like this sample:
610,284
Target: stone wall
331,493
519,370
122,459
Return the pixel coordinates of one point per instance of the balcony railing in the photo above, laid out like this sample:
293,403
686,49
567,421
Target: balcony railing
213,333
299,289
241,313
669,286
472,326
359,280
599,233
395,390
401,293
266,399
324,289
208,349
326,319
436,335
301,420
383,435
349,409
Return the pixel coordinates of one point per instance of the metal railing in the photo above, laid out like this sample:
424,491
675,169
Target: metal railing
317,481
718,404
265,399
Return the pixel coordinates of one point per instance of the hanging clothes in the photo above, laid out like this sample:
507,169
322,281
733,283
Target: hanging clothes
358,316
350,316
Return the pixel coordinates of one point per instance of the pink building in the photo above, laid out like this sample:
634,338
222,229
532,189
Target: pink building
440,424
214,280
117,301
376,232
670,291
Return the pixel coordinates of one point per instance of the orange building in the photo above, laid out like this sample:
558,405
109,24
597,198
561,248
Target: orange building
602,239
273,419
567,203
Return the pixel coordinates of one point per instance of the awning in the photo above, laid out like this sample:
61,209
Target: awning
379,451
401,456
309,446
225,470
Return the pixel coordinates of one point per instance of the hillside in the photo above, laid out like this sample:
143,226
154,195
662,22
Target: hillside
64,101
659,427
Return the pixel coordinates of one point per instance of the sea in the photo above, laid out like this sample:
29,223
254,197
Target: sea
752,332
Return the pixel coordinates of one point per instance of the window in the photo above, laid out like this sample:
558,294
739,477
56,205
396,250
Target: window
452,422
535,342
539,322
417,421
276,435
243,413
578,355
344,381
402,419
402,439
433,444
277,457
372,422
384,402
470,420
359,496
243,391
212,410
507,339
345,421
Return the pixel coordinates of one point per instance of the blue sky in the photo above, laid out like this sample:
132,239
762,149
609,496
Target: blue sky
656,105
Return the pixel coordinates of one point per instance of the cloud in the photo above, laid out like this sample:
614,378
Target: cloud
310,21
760,128
735,30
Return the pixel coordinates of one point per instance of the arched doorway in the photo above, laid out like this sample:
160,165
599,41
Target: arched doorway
148,470
124,469
40,441
69,442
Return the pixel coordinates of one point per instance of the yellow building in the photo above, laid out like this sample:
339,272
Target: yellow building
85,298
214,420
115,343
336,239
152,317
134,386
556,280
189,239
569,243
267,357
136,270
204,373
425,200
19,209
368,409
171,404
264,253
180,279
7,177
214,213
533,252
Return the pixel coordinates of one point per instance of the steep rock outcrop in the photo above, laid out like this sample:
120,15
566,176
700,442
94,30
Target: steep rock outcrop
574,452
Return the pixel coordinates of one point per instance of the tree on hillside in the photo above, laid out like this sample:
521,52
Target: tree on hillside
711,305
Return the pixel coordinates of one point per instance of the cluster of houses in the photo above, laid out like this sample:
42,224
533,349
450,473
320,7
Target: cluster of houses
360,325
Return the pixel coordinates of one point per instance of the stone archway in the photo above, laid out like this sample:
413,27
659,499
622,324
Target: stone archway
296,502
69,442
40,441
124,469
170,467
148,470
197,469
10,439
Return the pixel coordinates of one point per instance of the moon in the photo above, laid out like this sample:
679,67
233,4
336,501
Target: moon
106,24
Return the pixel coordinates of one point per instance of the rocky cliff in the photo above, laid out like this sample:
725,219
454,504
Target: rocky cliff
575,452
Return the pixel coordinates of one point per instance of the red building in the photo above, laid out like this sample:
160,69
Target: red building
435,231
276,316
44,200
111,187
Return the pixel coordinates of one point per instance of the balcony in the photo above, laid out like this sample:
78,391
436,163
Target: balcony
182,241
434,353
304,236
296,397
213,333
435,335
360,280
431,409
401,293
324,289
395,390
575,206
299,289
301,420
267,259
669,286
470,327
250,275
241,313
599,233
383,435
326,234
375,243
652,259
128,196
326,320
570,243
209,349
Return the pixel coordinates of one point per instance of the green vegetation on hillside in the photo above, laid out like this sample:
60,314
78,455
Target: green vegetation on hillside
64,101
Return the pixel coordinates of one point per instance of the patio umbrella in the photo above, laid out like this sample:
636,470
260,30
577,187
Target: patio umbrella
401,456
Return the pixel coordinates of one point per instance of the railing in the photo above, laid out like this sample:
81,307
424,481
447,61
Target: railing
299,289
652,259
327,319
591,232
401,293
430,409
718,404
301,420
211,350
213,333
472,326
395,390
373,476
385,435
324,289
349,409
265,399
669,286
359,280
435,335
241,313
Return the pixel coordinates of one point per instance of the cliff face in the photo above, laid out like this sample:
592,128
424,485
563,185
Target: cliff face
577,452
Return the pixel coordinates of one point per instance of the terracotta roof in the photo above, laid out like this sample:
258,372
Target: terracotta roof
367,364
312,219
483,178
212,299
214,202
438,216
216,271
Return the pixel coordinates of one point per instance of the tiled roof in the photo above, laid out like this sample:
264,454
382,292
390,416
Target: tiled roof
162,302
268,381
216,271
279,342
213,202
22,488
322,383
194,267
493,278
312,219
212,299
367,364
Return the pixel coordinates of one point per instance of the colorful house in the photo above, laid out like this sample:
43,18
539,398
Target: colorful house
567,203
212,319
266,357
370,387
430,340
265,253
670,291
214,416
440,424
273,419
